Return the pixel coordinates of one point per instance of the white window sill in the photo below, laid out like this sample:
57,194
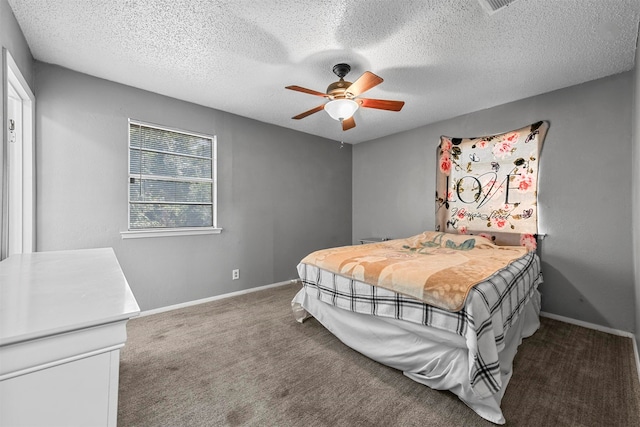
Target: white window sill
169,232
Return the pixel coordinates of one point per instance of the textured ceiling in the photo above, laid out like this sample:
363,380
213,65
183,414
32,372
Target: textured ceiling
443,58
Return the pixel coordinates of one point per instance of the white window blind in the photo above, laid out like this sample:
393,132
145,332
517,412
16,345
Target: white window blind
172,178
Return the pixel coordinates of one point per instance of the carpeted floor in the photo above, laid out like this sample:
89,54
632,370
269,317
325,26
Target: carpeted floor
246,361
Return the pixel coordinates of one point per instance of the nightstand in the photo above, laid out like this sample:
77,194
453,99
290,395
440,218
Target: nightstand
373,240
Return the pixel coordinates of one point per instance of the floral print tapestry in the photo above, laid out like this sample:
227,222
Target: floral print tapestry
489,185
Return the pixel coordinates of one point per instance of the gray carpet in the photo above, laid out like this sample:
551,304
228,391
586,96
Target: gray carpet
246,361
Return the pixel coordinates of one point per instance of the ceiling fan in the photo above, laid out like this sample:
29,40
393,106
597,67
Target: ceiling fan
343,97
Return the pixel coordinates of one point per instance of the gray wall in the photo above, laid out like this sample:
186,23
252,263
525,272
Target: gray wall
585,189
281,193
636,191
13,41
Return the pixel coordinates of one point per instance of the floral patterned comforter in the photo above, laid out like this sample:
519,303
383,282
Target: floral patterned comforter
437,268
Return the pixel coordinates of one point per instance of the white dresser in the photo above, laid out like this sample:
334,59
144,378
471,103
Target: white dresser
63,321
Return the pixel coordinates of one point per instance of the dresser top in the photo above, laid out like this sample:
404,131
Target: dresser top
48,293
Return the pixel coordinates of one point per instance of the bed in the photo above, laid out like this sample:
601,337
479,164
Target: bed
445,329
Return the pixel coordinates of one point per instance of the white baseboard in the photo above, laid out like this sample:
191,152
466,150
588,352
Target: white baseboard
601,329
215,298
635,350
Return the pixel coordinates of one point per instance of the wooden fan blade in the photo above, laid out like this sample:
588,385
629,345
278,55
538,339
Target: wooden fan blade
348,123
305,90
364,83
308,113
381,104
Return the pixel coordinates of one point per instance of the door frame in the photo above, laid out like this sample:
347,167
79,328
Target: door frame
13,76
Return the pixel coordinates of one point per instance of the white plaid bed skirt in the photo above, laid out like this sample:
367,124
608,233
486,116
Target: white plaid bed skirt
491,308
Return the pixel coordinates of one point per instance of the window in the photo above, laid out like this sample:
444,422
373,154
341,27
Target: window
172,181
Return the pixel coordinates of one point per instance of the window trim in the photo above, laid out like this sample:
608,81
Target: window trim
178,231
166,232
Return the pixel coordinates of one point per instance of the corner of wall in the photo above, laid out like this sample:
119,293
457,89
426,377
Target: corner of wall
3,156
636,189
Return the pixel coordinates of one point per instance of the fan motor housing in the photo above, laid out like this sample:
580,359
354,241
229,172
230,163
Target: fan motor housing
338,89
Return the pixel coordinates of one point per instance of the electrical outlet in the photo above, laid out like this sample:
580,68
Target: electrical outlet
235,274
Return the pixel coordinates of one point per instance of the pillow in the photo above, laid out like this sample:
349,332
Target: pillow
451,240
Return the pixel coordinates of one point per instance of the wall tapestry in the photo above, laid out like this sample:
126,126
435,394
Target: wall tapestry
489,185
